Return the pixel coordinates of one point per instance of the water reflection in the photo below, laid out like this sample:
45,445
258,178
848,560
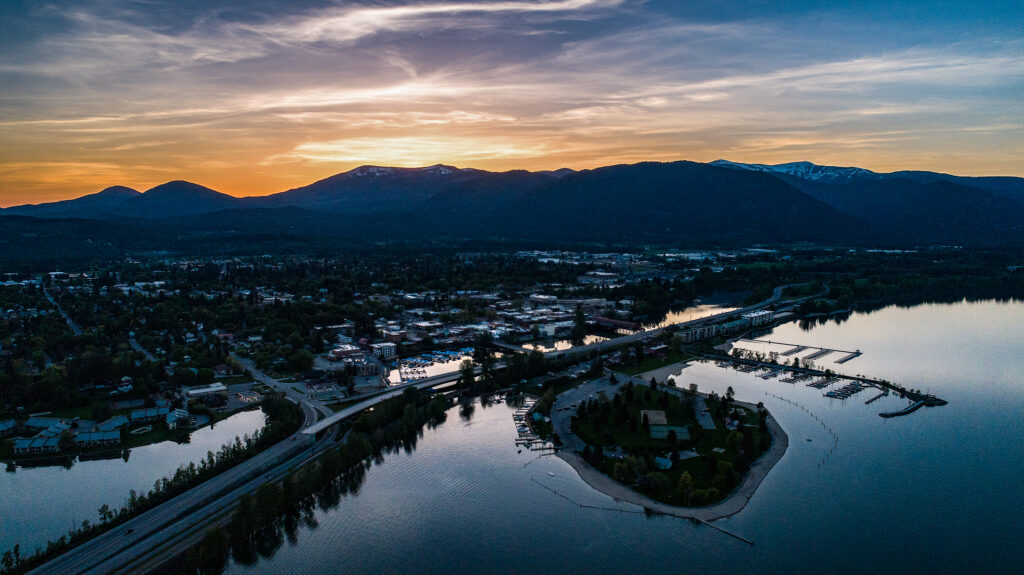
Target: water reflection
921,476
64,492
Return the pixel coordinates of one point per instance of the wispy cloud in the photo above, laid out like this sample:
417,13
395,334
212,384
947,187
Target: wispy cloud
257,97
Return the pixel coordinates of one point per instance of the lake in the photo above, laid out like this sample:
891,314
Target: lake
935,491
42,503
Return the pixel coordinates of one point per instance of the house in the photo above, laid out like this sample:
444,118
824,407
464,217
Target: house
125,385
8,427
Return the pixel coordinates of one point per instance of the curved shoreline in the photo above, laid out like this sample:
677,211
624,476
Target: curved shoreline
729,506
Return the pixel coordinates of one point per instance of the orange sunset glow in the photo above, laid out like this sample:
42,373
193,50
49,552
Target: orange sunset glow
260,98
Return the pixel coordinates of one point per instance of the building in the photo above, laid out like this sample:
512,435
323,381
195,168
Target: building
36,445
98,438
394,335
38,424
654,416
178,418
761,317
197,392
385,350
8,427
698,333
112,424
149,414
344,351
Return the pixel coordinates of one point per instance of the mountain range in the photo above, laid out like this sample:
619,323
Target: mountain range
683,203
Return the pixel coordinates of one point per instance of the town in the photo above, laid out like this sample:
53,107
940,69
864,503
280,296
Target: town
101,361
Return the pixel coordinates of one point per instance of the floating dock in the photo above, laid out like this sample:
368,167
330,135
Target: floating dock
853,355
820,353
906,410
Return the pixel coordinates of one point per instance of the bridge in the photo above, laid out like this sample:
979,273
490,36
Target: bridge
141,542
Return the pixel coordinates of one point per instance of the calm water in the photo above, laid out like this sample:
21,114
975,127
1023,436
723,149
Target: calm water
42,503
562,344
689,313
934,492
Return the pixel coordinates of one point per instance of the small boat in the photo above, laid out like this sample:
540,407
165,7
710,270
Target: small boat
551,474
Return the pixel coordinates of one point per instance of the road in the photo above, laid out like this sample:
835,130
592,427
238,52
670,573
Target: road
138,347
110,551
563,409
74,327
393,391
603,346
116,549
308,405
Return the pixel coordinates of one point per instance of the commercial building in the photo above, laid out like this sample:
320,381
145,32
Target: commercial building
385,350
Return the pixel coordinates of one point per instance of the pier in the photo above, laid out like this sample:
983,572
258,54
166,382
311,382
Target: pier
853,355
906,410
798,348
803,373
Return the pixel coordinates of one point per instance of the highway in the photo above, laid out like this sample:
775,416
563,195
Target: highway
119,547
121,550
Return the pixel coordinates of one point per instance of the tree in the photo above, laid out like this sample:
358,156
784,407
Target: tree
301,360
467,375
105,513
693,389
729,393
579,328
659,482
685,485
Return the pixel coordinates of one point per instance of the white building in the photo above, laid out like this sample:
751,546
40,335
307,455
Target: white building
385,350
761,317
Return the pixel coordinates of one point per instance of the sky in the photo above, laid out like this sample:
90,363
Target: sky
252,97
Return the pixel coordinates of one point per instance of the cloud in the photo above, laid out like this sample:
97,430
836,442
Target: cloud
348,24
410,151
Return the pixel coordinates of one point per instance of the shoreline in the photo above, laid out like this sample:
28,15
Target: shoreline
731,505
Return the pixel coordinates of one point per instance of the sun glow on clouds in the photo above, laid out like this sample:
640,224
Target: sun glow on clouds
253,98
410,151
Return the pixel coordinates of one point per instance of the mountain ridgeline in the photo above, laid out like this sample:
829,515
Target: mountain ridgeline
681,203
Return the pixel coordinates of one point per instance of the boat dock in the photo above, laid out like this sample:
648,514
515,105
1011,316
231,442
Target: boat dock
853,355
819,353
798,349
884,393
906,410
856,385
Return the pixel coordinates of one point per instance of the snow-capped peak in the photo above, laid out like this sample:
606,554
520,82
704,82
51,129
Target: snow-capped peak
372,171
804,170
438,170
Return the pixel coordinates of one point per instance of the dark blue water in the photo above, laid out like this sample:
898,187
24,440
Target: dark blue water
42,503
938,491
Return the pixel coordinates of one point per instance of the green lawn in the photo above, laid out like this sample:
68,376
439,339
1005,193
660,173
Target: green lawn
652,363
160,433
